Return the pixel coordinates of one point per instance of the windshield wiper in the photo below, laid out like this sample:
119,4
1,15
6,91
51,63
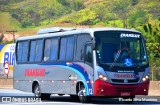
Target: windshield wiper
116,58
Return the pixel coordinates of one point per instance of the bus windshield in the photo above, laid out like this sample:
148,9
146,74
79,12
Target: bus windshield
117,48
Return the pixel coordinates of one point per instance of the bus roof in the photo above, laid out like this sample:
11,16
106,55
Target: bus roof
71,32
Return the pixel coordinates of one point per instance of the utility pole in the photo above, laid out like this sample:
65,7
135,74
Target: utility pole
12,32
153,71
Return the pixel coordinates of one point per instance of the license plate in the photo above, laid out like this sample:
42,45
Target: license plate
125,93
124,76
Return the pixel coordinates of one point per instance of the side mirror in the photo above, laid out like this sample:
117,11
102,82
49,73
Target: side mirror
93,45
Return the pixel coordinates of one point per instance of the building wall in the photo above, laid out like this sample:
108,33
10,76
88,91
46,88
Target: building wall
6,55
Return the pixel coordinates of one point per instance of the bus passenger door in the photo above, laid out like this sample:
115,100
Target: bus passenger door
88,64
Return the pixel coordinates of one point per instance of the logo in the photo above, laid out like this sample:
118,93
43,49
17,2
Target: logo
36,72
130,35
128,62
125,81
6,99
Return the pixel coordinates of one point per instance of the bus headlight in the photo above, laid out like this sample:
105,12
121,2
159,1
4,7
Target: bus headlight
145,78
102,77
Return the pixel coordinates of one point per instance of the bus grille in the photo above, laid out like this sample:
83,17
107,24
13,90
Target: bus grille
125,89
122,81
118,80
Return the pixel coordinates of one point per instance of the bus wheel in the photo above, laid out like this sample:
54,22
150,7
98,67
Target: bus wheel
45,96
74,98
38,94
82,95
60,94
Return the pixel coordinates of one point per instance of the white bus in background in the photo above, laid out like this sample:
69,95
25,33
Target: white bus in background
82,63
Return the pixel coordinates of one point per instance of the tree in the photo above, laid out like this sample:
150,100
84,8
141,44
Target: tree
138,18
120,8
76,4
1,38
134,2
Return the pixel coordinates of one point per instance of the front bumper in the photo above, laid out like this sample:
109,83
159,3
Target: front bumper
102,88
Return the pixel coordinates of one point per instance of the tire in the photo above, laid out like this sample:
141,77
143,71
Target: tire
82,95
60,94
38,94
74,98
45,96
37,91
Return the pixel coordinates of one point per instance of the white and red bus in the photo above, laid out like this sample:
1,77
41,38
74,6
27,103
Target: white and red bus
82,63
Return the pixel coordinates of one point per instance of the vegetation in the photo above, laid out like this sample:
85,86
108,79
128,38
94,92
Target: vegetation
30,15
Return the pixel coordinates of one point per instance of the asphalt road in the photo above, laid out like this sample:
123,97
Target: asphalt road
8,95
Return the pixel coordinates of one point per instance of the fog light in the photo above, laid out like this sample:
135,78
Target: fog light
102,90
147,77
144,90
144,79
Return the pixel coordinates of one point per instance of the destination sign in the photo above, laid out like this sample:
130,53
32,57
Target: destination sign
124,76
129,35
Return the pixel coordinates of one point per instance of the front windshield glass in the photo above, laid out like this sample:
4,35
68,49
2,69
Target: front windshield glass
117,48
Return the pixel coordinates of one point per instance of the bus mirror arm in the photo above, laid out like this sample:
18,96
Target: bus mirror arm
82,54
93,45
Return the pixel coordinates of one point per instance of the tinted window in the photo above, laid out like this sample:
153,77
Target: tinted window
22,51
32,51
47,50
39,49
63,48
81,41
36,49
54,49
25,51
70,46
19,51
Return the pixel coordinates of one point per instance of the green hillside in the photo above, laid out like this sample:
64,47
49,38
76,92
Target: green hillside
114,13
93,13
7,22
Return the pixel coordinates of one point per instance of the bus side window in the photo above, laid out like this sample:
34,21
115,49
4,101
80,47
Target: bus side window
81,41
32,51
39,49
25,51
22,51
63,49
47,49
88,54
54,49
66,48
36,51
70,47
19,51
